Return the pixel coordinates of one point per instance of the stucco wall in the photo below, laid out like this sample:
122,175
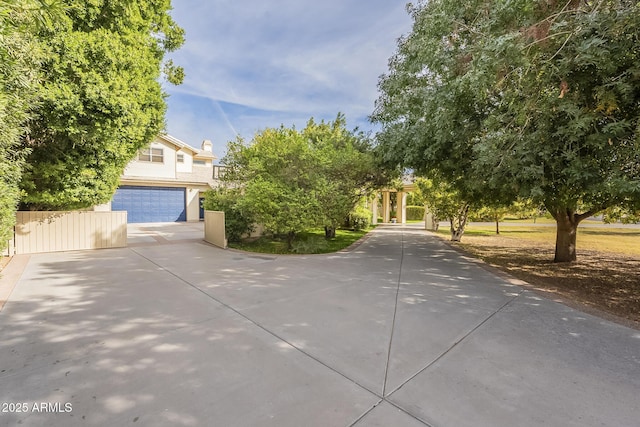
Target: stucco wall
187,165
166,169
193,204
202,174
214,228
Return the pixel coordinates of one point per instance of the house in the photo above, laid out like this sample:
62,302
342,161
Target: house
166,182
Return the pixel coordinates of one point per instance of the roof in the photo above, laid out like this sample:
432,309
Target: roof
203,154
175,141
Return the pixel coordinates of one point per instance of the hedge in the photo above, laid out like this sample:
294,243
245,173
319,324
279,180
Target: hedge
415,213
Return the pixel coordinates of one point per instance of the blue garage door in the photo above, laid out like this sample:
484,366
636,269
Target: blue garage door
151,204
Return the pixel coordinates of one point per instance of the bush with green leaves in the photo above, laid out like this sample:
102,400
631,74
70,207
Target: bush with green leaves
237,222
20,60
415,213
294,181
359,218
625,216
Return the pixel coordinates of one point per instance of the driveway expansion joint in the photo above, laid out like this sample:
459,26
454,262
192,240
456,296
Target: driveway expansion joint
455,344
262,327
395,312
521,358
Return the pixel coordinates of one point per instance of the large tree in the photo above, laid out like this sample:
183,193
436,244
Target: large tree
346,167
290,180
278,180
445,203
100,100
20,57
537,99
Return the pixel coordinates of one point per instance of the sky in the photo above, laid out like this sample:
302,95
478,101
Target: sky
254,64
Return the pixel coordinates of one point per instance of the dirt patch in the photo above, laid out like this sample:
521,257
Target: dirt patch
601,283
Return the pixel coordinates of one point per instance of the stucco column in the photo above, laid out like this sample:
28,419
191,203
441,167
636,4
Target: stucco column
374,209
386,206
402,207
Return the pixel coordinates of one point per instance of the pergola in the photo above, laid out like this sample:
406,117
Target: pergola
401,201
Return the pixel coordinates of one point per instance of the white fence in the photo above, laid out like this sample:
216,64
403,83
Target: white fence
67,231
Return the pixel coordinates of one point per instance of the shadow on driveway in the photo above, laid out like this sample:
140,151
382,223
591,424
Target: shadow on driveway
401,331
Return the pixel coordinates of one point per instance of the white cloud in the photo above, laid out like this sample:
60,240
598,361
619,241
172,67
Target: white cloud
290,57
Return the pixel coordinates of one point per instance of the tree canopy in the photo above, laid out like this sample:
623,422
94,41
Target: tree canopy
281,181
294,180
20,58
346,169
445,203
507,99
99,101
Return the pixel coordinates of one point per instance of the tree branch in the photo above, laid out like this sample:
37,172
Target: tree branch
550,36
590,212
561,47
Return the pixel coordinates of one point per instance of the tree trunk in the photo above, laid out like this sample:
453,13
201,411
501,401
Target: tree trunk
566,232
456,234
497,225
567,221
290,236
458,223
329,232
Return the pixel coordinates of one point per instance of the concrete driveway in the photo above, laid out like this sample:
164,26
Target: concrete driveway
401,331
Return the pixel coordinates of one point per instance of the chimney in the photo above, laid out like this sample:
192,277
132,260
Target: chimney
207,146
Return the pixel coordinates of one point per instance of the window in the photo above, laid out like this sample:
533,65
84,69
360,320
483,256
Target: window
180,158
200,162
154,155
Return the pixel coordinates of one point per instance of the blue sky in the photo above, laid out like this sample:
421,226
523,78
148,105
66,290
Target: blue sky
254,64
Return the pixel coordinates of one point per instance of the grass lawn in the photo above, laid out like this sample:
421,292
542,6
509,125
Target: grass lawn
311,242
619,240
606,276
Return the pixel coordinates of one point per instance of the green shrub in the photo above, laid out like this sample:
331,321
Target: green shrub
237,223
360,218
415,213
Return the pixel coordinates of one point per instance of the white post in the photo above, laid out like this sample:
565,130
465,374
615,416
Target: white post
374,209
402,207
386,206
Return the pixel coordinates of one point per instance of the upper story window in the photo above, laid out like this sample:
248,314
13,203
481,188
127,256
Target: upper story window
154,155
200,162
180,158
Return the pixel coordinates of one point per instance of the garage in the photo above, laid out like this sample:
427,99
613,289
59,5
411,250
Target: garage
151,204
